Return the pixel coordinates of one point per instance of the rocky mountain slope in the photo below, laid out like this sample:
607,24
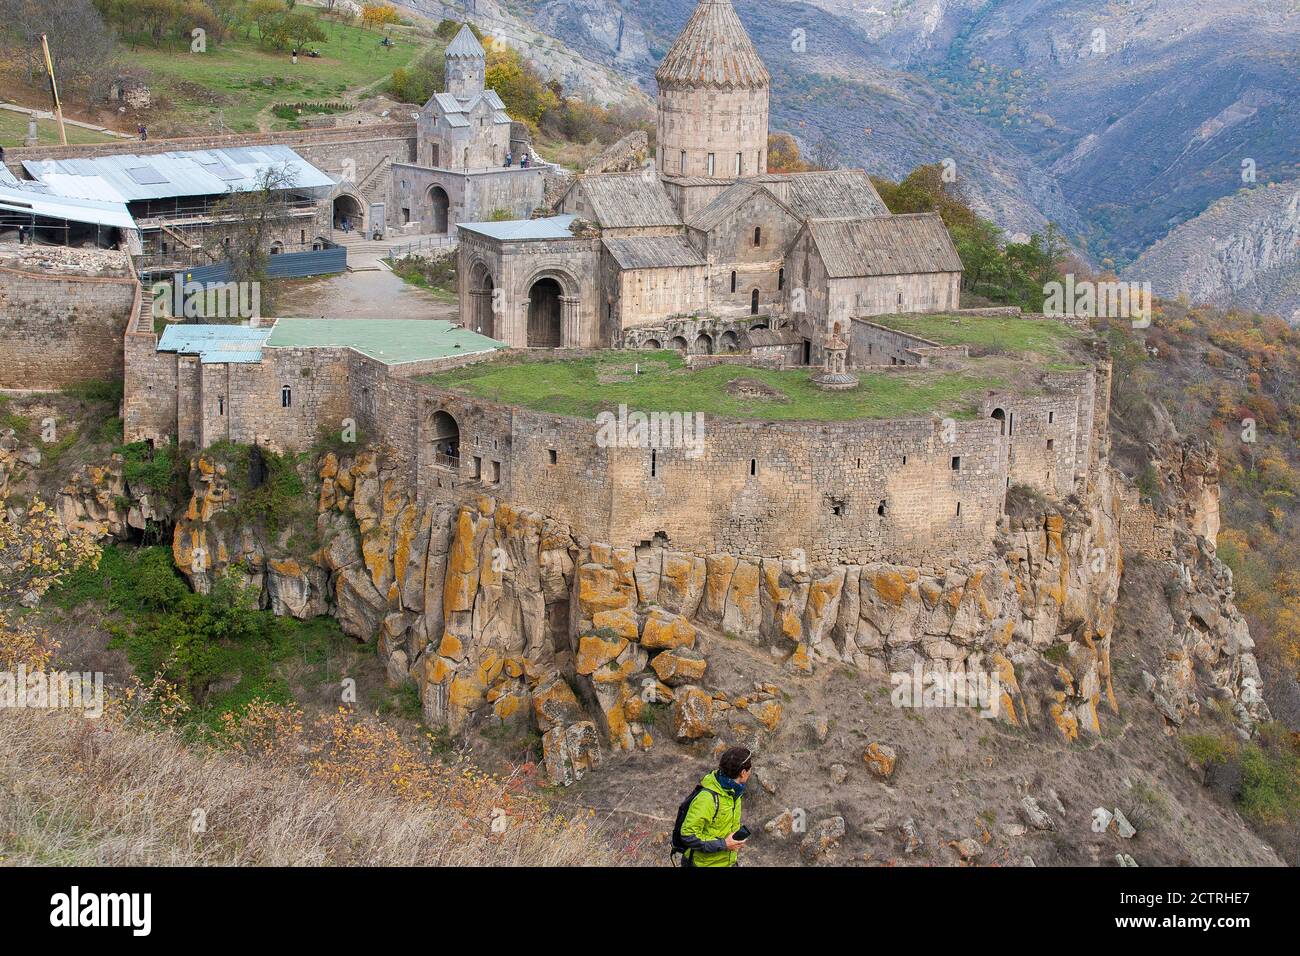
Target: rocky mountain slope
1244,249
603,83
1118,121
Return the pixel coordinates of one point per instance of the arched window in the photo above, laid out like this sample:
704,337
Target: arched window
733,282
758,235
753,302
286,397
780,280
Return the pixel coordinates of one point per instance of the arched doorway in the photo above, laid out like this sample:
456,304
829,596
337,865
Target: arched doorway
445,436
545,311
1001,418
441,205
703,345
729,342
348,214
679,343
652,344
482,301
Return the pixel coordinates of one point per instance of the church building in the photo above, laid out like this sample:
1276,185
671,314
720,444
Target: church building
704,246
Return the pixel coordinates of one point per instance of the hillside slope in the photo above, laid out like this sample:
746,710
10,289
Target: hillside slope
1244,249
1117,121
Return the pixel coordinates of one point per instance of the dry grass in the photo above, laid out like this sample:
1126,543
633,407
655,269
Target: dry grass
111,793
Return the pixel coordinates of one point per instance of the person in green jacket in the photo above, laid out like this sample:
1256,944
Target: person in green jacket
714,815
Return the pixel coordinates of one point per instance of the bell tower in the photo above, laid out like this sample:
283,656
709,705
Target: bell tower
466,65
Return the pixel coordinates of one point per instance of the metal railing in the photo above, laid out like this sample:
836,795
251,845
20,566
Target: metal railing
428,242
446,461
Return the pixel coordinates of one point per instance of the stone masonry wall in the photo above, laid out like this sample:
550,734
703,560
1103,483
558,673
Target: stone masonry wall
61,329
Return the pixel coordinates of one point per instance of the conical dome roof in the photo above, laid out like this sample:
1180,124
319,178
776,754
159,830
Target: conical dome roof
713,50
466,45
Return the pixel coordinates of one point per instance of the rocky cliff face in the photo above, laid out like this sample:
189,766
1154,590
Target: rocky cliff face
502,615
1243,250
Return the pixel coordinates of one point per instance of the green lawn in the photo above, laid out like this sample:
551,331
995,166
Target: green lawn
989,335
583,387
13,131
239,78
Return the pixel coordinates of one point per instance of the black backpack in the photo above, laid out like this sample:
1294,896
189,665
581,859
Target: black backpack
679,847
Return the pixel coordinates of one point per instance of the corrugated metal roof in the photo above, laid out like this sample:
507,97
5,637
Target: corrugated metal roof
200,172
885,245
834,194
17,197
731,199
228,344
553,227
627,200
653,252
466,45
713,50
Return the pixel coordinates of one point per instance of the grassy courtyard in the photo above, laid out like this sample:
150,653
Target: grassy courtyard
582,387
990,335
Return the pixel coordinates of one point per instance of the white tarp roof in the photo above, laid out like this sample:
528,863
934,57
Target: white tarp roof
198,172
24,200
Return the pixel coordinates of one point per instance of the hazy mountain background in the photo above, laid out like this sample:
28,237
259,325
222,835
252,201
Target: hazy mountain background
1122,121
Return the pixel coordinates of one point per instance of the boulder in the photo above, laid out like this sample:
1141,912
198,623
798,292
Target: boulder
822,837
881,760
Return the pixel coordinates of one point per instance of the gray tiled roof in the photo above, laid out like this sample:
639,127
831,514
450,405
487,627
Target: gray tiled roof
713,50
455,110
731,199
835,194
885,245
653,252
627,200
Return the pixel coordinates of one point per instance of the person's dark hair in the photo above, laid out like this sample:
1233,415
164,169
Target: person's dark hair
735,761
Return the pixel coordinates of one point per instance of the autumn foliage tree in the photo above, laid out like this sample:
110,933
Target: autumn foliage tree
36,552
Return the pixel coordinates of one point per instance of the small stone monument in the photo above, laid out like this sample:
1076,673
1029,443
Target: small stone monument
836,377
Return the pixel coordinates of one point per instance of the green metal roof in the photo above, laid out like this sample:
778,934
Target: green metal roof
391,341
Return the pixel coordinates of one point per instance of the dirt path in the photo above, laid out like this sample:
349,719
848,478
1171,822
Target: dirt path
361,295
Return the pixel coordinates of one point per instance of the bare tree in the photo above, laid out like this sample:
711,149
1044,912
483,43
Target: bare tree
82,45
257,218
825,154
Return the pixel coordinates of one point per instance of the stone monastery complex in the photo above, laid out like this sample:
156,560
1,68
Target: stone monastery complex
851,410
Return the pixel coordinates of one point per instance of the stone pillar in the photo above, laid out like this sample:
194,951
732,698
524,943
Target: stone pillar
570,321
519,334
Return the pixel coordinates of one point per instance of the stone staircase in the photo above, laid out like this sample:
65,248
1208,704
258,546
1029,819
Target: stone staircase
363,254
